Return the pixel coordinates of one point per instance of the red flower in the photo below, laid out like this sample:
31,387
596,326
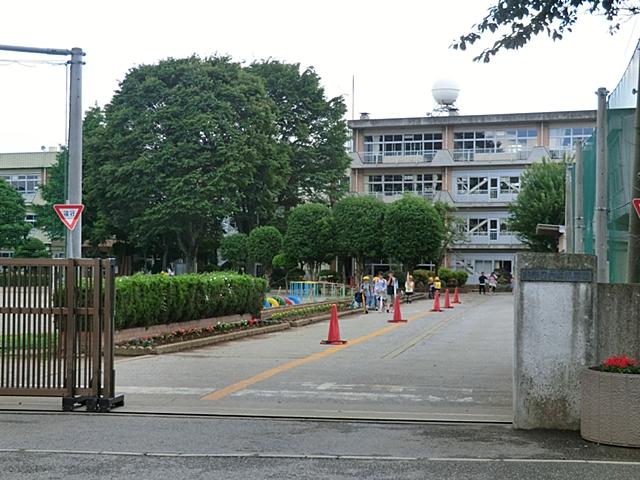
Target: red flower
620,362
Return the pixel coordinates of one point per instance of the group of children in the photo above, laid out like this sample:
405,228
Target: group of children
380,292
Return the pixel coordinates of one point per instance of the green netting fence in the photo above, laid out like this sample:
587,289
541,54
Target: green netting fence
621,147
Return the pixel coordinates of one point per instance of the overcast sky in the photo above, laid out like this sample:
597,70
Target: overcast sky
395,50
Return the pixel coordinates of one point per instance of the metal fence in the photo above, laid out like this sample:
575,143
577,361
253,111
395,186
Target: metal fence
56,331
620,150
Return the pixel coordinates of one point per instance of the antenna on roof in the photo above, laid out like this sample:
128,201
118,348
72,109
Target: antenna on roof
445,92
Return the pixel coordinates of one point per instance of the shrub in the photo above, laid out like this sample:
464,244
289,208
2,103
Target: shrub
448,277
421,278
144,300
461,277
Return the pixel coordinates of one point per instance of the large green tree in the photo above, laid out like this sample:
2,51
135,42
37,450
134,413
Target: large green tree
541,200
234,249
310,236
263,244
311,134
413,231
183,144
518,21
358,227
13,227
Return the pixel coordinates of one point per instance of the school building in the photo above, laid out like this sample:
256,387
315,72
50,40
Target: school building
27,172
473,162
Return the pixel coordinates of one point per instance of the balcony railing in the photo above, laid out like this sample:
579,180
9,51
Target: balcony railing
428,156
397,157
490,154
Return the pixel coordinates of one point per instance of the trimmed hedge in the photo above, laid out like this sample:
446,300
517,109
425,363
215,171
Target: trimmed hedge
144,300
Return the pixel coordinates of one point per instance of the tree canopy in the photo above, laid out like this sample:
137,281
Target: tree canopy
184,144
358,227
234,249
311,133
264,243
541,200
310,235
413,231
518,21
13,227
32,248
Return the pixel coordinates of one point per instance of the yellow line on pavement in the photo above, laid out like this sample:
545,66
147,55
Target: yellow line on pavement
218,394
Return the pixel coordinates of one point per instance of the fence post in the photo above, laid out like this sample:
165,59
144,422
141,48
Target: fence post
69,401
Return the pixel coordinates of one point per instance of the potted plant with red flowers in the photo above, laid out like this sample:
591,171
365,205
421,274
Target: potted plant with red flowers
610,396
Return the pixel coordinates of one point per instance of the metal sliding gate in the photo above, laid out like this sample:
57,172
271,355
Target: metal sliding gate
56,331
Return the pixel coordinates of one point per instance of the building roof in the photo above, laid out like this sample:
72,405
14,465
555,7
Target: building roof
510,118
27,160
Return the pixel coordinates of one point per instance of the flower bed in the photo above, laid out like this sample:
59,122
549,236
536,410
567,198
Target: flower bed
610,410
185,334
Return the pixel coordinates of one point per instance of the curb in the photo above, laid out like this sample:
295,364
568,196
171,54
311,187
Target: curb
199,342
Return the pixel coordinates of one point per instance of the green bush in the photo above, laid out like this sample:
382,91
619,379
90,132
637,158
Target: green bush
421,278
448,277
461,277
144,300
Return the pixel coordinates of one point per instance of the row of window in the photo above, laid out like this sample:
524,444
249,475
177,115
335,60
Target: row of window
494,186
431,182
25,184
403,144
486,226
480,141
493,141
421,183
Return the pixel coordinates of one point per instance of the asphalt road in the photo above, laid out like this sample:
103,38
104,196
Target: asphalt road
80,446
454,365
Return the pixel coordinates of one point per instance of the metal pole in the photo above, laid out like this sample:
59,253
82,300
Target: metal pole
44,51
74,244
633,243
568,210
579,196
601,186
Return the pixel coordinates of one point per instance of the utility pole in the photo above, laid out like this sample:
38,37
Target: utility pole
74,237
579,195
601,187
633,243
568,210
74,187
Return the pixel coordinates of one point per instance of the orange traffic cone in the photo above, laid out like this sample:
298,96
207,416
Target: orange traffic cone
447,304
334,329
397,316
436,302
455,296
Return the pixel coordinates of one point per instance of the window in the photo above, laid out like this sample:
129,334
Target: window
485,266
509,185
566,138
478,226
30,218
389,185
494,141
25,184
5,254
504,227
407,144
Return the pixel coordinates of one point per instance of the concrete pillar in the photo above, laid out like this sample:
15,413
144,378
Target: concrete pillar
554,337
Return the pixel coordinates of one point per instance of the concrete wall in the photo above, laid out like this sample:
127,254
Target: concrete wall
618,325
554,337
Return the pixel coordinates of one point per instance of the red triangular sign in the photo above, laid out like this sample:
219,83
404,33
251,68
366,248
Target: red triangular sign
636,205
69,214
